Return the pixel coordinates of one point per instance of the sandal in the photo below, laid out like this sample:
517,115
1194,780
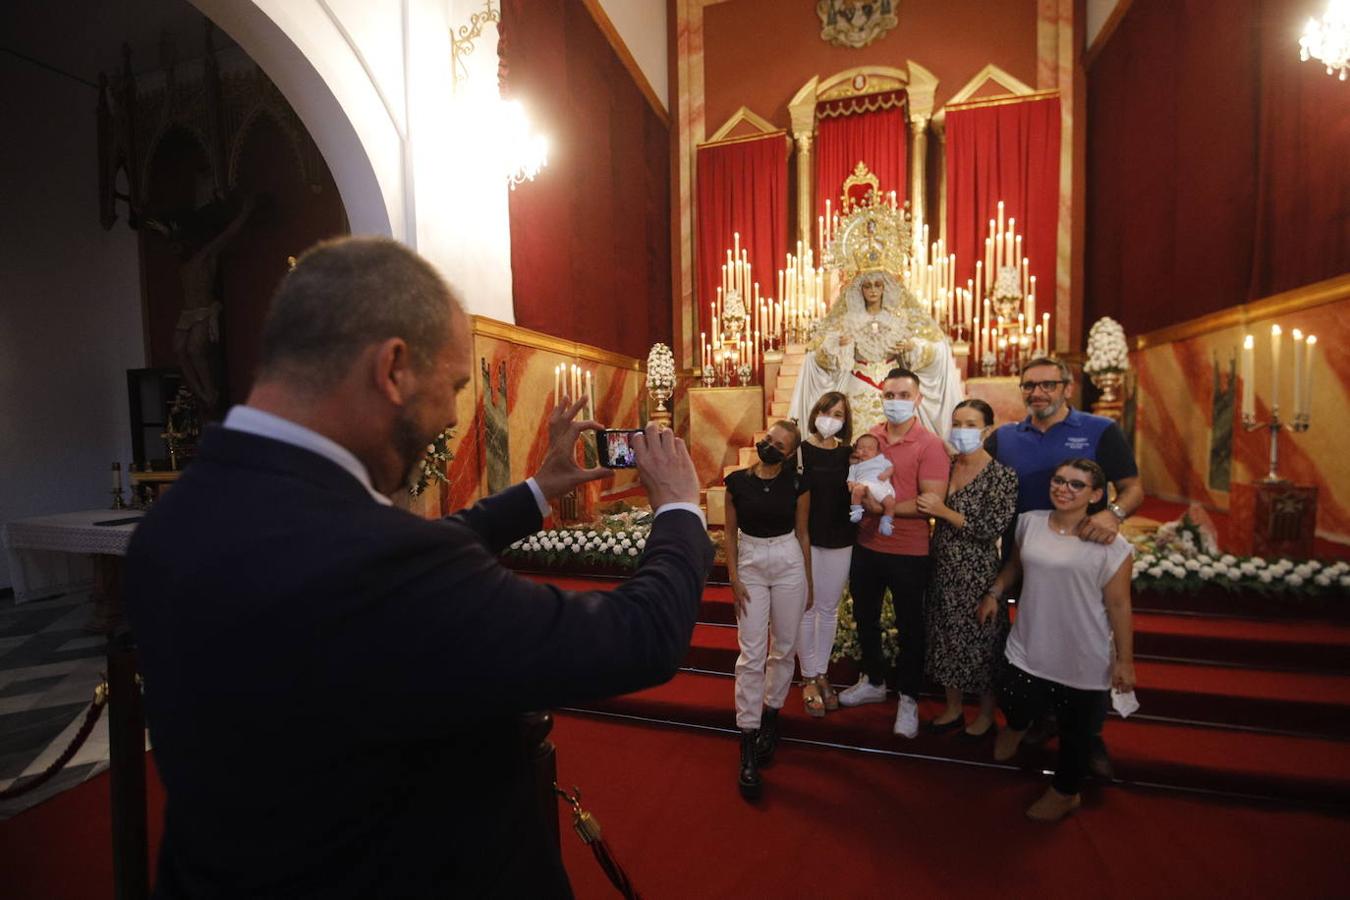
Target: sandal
827,692
815,705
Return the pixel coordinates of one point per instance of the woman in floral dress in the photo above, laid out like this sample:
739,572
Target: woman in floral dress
980,504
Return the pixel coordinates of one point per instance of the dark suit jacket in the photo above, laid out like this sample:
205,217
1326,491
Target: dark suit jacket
331,684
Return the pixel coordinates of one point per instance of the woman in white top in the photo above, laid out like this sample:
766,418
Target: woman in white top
1073,610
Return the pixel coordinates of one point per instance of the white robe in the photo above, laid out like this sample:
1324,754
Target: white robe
858,367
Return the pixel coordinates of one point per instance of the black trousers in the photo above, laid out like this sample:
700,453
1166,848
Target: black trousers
1023,697
870,574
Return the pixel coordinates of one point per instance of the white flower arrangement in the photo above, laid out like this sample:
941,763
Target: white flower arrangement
1181,556
660,369
1107,350
433,463
616,541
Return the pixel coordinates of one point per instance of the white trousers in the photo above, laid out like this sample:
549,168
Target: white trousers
774,573
815,639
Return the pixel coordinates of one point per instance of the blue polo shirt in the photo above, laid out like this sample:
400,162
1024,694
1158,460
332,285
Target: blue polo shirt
1034,454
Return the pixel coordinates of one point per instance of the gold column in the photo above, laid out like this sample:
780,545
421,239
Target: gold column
918,169
805,202
939,128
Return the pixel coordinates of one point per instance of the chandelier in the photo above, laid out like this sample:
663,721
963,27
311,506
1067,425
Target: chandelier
501,125
1328,41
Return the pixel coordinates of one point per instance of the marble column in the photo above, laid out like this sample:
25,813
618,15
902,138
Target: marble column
805,201
918,170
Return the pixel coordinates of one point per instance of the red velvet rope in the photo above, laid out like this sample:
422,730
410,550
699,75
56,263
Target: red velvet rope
90,718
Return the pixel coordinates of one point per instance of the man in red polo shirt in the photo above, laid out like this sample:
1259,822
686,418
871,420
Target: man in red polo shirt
898,561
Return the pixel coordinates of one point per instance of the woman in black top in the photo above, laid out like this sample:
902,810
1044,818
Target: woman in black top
769,569
825,455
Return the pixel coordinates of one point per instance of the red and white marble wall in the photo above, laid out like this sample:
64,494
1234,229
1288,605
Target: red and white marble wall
1176,389
500,441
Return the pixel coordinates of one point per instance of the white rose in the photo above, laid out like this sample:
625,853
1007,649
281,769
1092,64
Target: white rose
1228,559
1155,571
1206,573
1135,573
1257,561
1293,580
1323,580
1176,558
1265,576
1313,565
632,551
641,543
1248,569
1205,559
1344,581
1192,565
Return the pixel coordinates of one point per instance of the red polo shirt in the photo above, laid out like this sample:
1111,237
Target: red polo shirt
919,455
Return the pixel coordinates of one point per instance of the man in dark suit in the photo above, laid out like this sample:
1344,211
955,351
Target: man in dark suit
332,684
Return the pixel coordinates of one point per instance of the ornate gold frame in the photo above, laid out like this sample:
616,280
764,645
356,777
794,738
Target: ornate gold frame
920,86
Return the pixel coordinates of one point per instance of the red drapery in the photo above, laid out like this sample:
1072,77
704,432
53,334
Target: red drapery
871,130
1216,162
742,187
1008,152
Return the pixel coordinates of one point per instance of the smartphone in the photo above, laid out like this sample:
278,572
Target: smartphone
615,446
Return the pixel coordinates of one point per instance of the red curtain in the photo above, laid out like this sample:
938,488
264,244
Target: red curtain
1007,152
870,130
1216,162
742,187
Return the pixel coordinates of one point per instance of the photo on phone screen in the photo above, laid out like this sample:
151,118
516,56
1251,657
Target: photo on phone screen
615,446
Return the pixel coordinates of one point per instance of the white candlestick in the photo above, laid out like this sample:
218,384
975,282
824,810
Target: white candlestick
1275,335
1307,375
1298,372
1248,378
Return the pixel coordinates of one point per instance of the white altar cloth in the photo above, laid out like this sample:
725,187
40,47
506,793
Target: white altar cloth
51,555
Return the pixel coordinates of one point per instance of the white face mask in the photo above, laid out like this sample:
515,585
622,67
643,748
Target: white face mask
898,412
828,426
966,440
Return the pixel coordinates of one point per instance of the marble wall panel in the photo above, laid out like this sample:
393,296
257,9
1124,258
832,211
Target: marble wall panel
1177,439
721,421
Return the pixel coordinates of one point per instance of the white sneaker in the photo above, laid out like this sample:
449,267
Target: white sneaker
862,692
907,717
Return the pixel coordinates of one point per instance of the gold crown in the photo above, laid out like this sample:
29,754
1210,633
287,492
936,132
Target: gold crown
873,235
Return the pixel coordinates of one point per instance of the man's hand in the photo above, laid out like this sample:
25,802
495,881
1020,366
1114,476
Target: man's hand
664,467
987,609
559,472
930,505
740,595
1122,676
1100,528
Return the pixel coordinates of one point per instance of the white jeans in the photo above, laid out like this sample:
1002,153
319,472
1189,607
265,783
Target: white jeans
774,573
815,639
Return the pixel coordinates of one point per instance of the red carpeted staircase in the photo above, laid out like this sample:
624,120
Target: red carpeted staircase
1241,705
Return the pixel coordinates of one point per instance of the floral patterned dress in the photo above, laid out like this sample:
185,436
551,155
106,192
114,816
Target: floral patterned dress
963,653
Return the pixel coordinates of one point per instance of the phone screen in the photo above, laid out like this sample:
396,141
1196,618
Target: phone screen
615,446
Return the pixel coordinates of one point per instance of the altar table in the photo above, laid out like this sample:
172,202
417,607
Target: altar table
50,555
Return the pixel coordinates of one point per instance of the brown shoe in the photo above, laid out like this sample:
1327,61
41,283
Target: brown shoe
1053,806
1006,744
827,692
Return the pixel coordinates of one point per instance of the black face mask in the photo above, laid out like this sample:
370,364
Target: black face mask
769,454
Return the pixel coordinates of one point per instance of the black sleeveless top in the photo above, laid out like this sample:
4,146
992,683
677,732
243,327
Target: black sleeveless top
826,474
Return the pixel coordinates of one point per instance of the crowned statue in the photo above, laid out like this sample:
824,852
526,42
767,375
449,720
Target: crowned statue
875,325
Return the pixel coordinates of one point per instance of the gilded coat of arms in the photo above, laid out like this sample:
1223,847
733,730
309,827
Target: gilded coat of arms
855,23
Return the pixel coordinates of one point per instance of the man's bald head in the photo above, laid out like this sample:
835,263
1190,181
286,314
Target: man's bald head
344,295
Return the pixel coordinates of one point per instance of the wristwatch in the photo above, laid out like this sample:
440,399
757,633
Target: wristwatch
1117,511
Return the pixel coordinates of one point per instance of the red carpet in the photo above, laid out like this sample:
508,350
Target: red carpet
831,824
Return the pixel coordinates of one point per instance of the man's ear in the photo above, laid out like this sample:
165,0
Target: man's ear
391,370
1068,390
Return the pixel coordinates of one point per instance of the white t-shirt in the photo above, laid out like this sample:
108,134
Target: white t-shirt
1062,632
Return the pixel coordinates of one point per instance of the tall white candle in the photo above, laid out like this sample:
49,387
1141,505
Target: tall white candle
1298,372
1248,378
1275,336
1307,375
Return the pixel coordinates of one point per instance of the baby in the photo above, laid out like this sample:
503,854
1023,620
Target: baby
871,474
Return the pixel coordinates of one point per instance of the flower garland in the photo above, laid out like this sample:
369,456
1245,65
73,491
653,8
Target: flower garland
434,461
1181,556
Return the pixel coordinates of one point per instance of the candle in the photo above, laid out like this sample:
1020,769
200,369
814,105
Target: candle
590,397
117,476
1275,335
1298,372
1307,376
557,384
1248,380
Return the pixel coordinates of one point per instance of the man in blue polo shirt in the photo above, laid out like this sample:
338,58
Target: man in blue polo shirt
1052,433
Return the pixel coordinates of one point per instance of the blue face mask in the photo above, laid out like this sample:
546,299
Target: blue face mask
898,412
966,440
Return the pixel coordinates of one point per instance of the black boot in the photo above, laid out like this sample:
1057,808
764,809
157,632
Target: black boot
749,780
767,742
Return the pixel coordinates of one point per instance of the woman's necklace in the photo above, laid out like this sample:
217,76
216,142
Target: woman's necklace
765,483
1063,530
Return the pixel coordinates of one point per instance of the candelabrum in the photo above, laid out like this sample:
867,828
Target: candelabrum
1300,424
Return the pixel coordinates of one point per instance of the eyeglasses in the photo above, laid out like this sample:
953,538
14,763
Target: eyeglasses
1047,386
1072,484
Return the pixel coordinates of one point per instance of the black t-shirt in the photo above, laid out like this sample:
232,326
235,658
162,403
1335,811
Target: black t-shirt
766,508
826,476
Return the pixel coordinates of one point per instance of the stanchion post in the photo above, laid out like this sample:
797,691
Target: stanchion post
535,728
126,752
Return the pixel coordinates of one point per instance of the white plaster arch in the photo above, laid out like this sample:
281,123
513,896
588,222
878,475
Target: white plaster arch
301,49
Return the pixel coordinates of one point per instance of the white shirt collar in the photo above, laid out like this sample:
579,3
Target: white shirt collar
264,424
